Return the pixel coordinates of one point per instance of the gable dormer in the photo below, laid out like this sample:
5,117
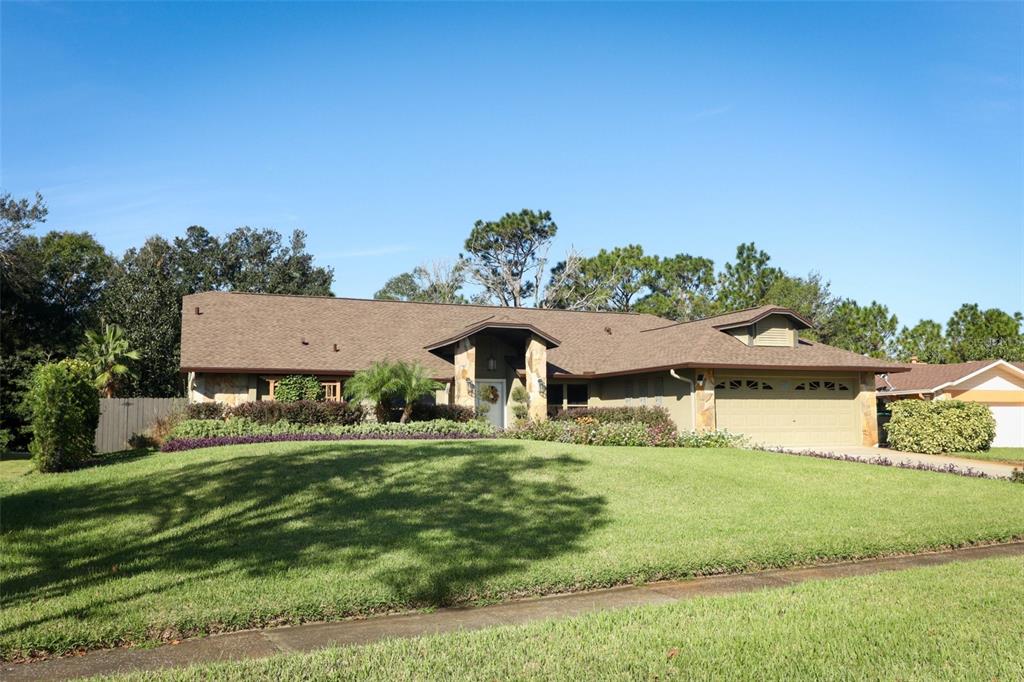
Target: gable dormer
770,326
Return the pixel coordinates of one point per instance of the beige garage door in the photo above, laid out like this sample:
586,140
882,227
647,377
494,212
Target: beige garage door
789,411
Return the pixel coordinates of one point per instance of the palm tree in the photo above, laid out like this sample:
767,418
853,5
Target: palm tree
412,383
107,353
376,384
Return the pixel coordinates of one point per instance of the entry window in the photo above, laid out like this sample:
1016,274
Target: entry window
576,395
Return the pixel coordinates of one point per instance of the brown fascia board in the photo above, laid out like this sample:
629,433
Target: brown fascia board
707,365
274,370
773,311
552,341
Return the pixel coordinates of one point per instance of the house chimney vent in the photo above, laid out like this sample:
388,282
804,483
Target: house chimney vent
198,312
305,342
335,348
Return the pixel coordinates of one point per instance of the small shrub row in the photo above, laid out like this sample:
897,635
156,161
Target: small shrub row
711,439
242,427
217,441
937,426
651,416
422,412
588,431
298,412
272,411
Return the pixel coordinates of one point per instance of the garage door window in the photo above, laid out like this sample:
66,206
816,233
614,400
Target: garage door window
822,386
744,385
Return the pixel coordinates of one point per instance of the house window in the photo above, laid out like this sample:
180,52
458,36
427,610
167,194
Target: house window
332,391
555,392
576,395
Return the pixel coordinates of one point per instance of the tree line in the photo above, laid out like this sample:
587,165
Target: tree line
505,262
63,295
60,288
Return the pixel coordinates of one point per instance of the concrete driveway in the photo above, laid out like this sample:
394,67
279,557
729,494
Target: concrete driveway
896,456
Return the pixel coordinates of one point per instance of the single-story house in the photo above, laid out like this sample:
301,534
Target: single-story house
997,383
748,372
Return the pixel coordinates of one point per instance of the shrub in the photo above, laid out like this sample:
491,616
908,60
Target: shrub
936,426
298,387
215,431
204,410
422,412
520,403
652,416
65,410
298,412
711,439
588,431
5,440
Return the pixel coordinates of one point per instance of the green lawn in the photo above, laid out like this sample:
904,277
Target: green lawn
15,465
1008,455
958,621
166,545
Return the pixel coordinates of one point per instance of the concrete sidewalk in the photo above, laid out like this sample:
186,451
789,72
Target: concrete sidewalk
997,469
263,643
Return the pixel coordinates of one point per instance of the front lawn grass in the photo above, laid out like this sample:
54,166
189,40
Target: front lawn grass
176,544
15,465
1007,455
959,621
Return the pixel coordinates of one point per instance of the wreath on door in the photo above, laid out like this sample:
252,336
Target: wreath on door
490,394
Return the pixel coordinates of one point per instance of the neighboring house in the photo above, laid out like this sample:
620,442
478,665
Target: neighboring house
748,372
997,383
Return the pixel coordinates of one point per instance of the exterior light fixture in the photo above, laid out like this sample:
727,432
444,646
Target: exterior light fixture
492,364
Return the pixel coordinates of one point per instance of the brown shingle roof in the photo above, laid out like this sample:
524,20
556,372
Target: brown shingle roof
925,377
273,333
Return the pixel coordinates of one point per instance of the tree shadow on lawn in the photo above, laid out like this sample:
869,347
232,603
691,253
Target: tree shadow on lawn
429,521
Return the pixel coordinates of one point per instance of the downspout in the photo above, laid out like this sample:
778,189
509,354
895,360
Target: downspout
693,398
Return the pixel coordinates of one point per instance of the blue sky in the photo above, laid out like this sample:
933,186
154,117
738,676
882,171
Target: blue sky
882,145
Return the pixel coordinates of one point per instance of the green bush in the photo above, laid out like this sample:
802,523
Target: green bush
652,416
936,426
711,439
298,412
588,431
296,387
212,410
5,440
65,409
241,426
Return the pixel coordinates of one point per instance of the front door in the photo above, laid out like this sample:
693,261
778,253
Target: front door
490,401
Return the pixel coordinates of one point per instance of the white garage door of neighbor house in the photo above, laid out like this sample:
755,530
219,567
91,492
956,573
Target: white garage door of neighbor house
789,411
1009,426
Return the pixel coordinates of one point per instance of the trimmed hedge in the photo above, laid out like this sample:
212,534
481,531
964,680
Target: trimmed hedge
588,431
65,408
217,441
240,427
212,410
298,412
937,426
651,416
422,412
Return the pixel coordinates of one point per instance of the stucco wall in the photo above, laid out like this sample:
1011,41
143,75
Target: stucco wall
656,390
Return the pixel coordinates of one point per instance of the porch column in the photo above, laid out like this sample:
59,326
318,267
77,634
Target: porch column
868,408
464,392
704,394
536,378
